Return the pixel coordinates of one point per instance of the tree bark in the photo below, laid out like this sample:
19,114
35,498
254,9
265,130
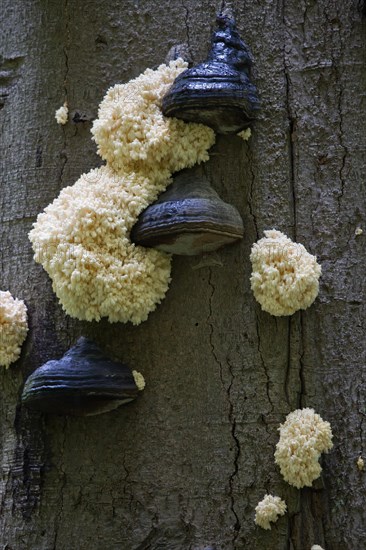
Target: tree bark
184,466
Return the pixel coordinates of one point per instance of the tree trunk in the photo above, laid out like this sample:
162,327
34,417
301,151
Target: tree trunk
184,466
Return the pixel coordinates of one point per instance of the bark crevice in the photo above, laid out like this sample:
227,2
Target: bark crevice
288,364
28,462
291,149
231,414
251,193
302,389
9,74
66,48
187,29
264,366
62,484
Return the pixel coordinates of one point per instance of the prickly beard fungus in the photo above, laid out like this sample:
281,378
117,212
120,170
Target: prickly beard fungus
285,277
303,437
133,135
83,238
268,510
82,241
13,328
61,115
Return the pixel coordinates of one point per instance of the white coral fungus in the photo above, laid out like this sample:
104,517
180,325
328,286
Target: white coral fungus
285,277
62,114
317,547
13,327
139,380
245,134
268,511
133,135
83,238
303,437
82,241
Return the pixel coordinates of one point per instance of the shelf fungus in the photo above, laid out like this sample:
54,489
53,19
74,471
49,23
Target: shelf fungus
189,218
285,277
84,382
217,92
13,328
304,436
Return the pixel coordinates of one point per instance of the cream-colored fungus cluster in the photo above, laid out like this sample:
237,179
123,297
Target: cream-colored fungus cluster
13,327
285,277
268,510
82,241
62,114
303,437
83,238
360,464
139,380
133,135
245,134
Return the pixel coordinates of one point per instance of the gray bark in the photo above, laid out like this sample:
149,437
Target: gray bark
184,466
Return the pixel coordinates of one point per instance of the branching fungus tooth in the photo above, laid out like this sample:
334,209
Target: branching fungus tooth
13,328
83,238
285,277
303,437
268,510
61,115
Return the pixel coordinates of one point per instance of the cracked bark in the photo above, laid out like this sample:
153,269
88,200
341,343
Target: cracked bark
184,466
66,47
231,415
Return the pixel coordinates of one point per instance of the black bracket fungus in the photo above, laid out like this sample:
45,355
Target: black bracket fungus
83,382
80,117
189,218
217,92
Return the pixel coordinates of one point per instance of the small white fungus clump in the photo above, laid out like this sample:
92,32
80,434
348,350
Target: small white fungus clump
303,437
13,327
317,547
285,277
360,464
139,380
83,240
358,231
268,511
62,114
245,134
